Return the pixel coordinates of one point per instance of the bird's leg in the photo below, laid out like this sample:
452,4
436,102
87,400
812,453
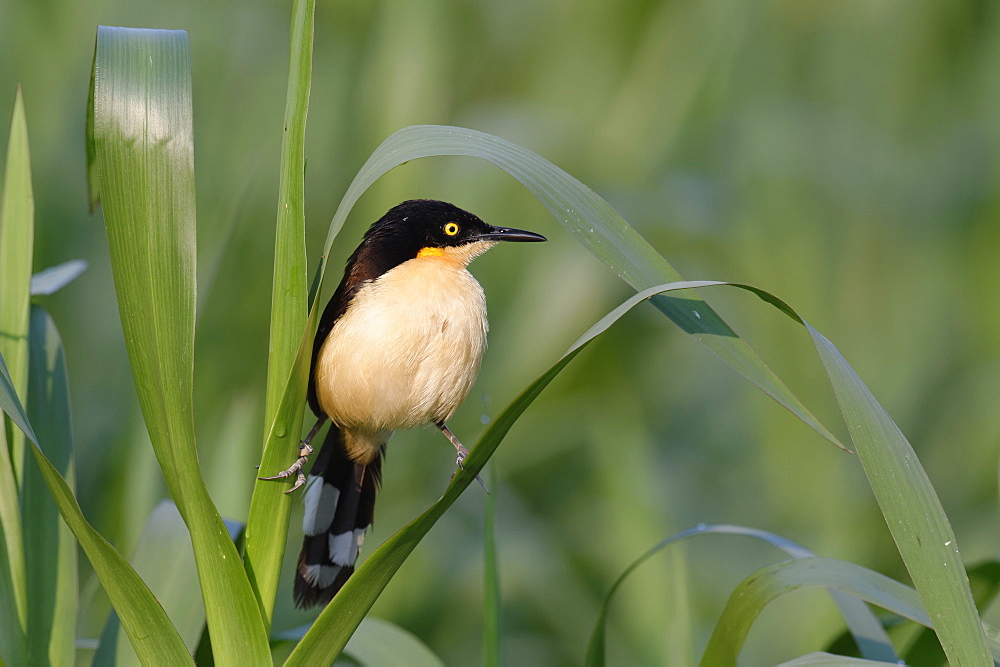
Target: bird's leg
462,451
305,449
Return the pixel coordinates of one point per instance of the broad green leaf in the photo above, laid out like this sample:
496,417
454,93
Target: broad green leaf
54,278
164,560
865,628
52,567
765,585
268,518
16,241
143,141
17,234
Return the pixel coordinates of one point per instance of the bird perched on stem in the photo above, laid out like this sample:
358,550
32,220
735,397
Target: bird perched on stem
398,346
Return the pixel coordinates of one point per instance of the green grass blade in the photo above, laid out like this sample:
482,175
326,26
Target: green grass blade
143,140
16,241
165,562
865,628
268,519
594,223
491,584
52,568
765,585
984,580
335,624
912,510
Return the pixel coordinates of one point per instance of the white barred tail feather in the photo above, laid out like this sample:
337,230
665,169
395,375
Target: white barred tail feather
339,509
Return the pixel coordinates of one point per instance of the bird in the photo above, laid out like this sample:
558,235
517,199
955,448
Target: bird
398,346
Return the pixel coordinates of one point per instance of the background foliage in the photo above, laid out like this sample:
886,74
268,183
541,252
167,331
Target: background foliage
842,155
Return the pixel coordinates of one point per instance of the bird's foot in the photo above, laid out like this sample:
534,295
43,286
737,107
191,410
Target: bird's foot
462,453
305,449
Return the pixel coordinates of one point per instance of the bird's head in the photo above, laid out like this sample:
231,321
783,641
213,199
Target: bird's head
429,228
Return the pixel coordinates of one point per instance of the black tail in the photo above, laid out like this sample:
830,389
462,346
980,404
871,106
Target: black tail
340,506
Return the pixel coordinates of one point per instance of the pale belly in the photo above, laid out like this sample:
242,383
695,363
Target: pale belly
408,350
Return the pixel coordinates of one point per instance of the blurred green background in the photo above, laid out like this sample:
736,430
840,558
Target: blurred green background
840,154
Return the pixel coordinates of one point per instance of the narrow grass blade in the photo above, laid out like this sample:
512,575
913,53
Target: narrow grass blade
268,519
16,242
865,628
267,524
491,584
165,562
984,580
52,567
765,585
143,139
911,509
335,624
54,278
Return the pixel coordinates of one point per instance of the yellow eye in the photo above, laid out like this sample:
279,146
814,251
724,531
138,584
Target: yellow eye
451,228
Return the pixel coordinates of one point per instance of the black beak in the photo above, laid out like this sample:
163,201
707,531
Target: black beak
508,234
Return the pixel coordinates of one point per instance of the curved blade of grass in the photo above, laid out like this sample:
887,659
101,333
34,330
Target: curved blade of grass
335,624
155,640
144,152
864,627
270,507
765,585
52,568
598,228
16,241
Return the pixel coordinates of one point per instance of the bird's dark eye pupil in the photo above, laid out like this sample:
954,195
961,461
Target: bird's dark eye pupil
451,228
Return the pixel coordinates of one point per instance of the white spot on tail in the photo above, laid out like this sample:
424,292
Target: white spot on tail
344,546
321,502
320,576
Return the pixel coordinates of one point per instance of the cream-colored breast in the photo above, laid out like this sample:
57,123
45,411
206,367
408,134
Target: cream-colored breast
407,350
